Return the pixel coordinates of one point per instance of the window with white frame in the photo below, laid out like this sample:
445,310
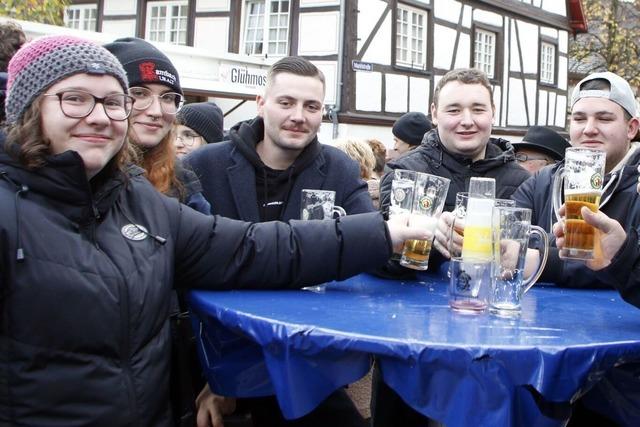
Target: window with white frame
547,63
484,52
411,37
167,22
266,27
81,17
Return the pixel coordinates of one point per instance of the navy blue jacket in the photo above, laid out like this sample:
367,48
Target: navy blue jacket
86,273
228,180
619,201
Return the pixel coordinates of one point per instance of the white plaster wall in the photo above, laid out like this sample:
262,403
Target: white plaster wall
449,10
551,114
212,34
311,3
419,94
368,91
529,43
463,55
212,5
550,32
487,17
516,116
542,109
119,28
120,7
538,3
330,71
555,6
379,50
467,16
369,12
561,111
531,87
318,33
497,92
443,39
397,88
354,131
563,41
562,72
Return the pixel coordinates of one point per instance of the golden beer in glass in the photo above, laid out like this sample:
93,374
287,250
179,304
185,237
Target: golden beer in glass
580,179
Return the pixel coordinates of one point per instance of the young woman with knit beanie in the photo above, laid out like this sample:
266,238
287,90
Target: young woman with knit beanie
90,251
155,85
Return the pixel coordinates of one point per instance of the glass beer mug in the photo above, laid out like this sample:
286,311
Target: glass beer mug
582,175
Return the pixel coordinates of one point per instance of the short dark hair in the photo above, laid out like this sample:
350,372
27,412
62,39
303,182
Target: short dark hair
602,84
11,38
295,65
468,76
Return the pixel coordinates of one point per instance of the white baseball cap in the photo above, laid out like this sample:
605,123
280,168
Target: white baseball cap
620,91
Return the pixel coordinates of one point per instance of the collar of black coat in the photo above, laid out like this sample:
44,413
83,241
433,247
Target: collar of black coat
499,151
63,182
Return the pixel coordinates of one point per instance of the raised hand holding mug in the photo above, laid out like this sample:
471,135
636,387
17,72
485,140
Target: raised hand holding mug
582,176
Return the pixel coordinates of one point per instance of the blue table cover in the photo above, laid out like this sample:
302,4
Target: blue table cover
463,370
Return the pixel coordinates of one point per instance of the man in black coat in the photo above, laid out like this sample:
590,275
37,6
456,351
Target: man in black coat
459,148
259,175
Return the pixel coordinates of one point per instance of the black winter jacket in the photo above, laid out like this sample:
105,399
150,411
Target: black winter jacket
85,279
228,177
619,201
431,157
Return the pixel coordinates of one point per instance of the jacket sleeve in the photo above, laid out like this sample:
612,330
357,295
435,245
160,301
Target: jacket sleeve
624,271
221,253
385,192
524,195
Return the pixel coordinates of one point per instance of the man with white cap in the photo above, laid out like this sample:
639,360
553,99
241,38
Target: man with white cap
603,117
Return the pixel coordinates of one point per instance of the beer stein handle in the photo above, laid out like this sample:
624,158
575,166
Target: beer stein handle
527,284
339,210
556,194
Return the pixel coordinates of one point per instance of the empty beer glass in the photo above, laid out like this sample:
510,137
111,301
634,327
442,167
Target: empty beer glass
582,175
512,230
319,204
429,195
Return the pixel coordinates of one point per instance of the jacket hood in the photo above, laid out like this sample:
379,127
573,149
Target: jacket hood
499,151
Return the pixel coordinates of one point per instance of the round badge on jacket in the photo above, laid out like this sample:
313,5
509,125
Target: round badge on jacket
134,232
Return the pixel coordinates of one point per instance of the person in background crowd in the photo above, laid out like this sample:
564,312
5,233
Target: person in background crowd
540,147
155,85
362,153
11,38
458,148
380,153
84,330
198,124
408,132
259,174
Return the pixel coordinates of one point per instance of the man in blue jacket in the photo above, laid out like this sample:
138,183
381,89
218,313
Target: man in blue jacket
259,175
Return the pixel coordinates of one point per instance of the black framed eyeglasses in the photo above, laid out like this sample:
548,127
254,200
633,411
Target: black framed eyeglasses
188,139
170,102
78,104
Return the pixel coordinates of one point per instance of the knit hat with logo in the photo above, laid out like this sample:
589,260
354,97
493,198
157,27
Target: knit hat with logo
205,118
145,63
45,61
